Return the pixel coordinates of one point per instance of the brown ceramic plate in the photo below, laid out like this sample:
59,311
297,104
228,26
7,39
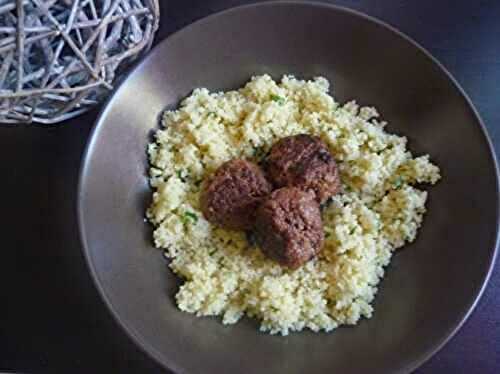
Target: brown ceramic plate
431,286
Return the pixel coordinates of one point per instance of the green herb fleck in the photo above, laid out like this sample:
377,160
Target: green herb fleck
278,99
328,231
182,175
193,216
352,231
212,114
398,183
212,251
189,217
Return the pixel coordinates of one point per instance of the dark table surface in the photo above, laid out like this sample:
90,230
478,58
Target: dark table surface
51,317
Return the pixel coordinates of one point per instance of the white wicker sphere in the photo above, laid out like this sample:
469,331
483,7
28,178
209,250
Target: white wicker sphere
58,58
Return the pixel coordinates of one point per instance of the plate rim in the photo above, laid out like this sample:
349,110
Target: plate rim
134,335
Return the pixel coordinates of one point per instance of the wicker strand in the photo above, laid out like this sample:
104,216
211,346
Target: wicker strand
58,58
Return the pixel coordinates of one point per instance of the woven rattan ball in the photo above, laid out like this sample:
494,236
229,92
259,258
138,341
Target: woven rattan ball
58,58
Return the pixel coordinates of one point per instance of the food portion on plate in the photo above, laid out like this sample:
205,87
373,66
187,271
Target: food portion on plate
286,223
276,202
231,196
288,226
304,161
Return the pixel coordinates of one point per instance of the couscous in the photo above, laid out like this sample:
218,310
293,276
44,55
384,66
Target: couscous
377,210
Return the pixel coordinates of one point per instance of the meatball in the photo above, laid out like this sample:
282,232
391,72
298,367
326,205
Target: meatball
230,198
304,161
288,226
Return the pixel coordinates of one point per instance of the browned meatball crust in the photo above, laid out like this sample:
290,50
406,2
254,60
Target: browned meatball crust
288,226
304,161
230,198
